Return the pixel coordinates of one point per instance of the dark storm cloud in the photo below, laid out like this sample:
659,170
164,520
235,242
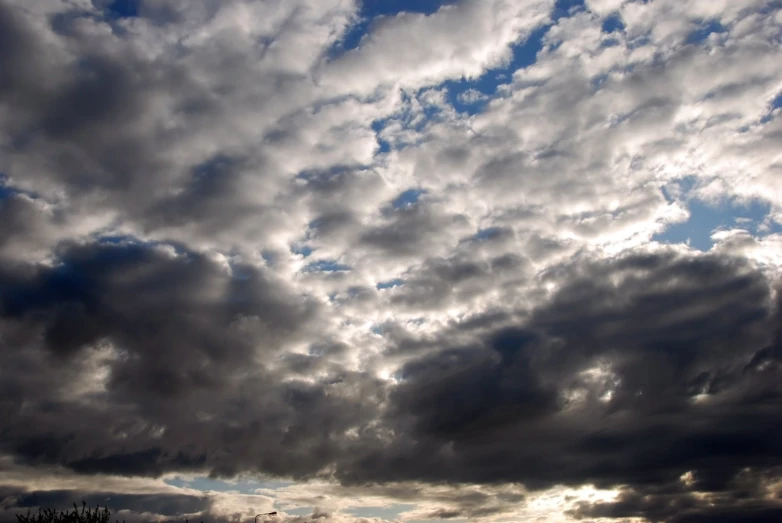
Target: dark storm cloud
742,500
635,372
680,341
120,290
183,347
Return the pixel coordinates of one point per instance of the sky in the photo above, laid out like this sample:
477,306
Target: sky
392,261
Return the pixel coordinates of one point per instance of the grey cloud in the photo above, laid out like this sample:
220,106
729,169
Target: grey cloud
614,313
159,331
687,394
19,53
166,175
457,279
86,120
93,119
27,226
742,500
674,332
412,229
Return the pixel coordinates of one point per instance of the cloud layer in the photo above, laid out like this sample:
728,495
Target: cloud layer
418,263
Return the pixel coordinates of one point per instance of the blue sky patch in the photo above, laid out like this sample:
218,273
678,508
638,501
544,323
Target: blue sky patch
124,8
131,242
389,512
374,8
302,250
351,39
524,54
118,239
488,233
8,191
706,218
207,484
613,24
566,8
326,266
704,31
776,103
378,126
269,257
407,198
242,486
390,284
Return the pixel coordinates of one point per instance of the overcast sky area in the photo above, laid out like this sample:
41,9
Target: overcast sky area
393,260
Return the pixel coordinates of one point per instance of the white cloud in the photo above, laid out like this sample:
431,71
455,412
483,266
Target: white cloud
414,50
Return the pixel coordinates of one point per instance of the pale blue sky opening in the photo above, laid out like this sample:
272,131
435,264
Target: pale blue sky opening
776,103
408,198
524,54
488,233
706,218
326,266
303,250
390,284
244,486
704,31
378,126
389,512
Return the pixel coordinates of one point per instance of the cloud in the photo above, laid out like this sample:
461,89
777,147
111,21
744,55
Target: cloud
152,330
261,239
471,96
643,344
414,50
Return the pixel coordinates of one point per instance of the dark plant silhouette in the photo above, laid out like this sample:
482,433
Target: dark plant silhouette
87,515
48,515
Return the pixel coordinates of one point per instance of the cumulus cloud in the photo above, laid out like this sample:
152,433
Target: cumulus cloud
415,265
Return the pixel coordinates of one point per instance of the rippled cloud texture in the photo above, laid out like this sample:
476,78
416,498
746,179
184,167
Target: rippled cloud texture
493,260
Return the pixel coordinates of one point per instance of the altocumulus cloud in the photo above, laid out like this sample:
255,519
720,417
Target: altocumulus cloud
392,261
